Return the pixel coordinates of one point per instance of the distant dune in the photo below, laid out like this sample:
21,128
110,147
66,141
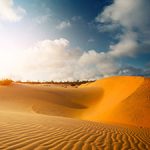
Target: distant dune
42,117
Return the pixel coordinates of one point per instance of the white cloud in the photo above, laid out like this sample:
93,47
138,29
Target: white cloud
102,62
55,60
63,25
9,12
126,13
127,46
132,17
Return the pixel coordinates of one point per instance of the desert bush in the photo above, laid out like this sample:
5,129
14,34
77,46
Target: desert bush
6,82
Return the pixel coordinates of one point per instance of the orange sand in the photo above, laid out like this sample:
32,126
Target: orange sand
125,100
41,117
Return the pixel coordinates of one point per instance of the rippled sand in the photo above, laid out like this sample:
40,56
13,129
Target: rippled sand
30,131
41,118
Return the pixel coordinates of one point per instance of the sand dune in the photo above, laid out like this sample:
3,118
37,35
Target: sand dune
125,100
42,117
46,100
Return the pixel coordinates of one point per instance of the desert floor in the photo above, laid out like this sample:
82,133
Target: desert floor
111,113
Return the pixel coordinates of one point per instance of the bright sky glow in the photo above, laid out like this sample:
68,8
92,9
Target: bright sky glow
67,40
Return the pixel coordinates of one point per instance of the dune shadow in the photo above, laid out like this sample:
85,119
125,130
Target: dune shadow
76,99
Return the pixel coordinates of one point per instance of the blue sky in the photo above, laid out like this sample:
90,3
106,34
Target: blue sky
71,40
80,15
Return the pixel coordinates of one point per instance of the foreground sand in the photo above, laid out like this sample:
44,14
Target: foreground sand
39,117
40,132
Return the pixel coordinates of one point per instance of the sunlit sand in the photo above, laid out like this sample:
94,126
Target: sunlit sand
111,113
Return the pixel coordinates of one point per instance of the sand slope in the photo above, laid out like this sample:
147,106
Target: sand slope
125,100
46,100
41,117
135,109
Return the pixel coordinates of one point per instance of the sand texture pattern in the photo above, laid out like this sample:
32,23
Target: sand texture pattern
111,113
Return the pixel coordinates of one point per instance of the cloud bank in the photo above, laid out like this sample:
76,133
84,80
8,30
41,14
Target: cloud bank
55,60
